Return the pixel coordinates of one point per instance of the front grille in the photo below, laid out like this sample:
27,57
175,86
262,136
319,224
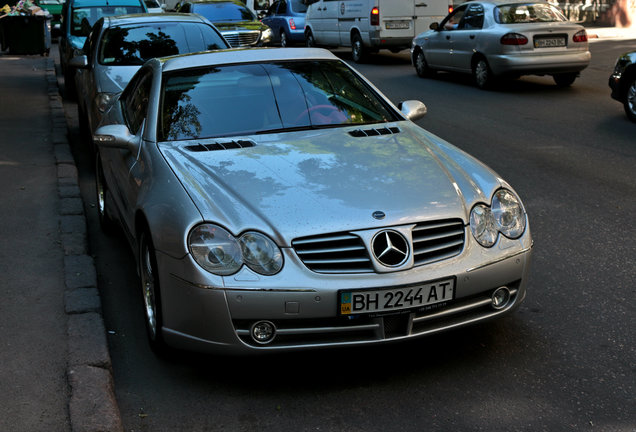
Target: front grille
334,253
436,241
346,252
241,38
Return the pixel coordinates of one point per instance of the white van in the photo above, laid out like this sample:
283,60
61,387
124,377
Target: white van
370,25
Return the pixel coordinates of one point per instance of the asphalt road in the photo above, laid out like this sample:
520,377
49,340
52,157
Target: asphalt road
566,361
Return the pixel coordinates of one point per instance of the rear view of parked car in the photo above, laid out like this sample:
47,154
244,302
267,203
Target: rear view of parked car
118,46
623,83
78,17
491,39
237,23
286,18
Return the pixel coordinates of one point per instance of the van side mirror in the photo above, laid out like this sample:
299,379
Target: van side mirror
413,109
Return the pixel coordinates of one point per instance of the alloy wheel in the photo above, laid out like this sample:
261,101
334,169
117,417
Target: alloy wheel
630,101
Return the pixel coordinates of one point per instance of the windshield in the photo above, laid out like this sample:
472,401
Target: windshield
222,12
528,13
83,18
133,45
262,98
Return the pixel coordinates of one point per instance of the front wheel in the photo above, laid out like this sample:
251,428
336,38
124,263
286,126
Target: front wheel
283,39
358,51
149,280
565,79
630,99
421,67
482,75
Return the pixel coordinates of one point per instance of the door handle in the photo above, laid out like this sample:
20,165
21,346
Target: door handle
472,36
448,37
421,5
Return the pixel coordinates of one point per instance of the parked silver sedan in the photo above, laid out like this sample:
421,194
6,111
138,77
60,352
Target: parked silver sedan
276,200
118,46
495,38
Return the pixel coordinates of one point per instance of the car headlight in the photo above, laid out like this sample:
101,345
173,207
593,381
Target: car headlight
266,36
220,253
103,101
215,249
508,214
505,216
260,253
482,224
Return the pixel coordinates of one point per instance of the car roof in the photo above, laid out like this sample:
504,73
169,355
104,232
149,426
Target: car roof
93,3
243,55
142,18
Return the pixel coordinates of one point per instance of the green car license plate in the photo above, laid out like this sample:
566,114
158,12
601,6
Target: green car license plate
396,298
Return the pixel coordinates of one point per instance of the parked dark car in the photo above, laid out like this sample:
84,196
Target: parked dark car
236,22
623,83
286,18
78,17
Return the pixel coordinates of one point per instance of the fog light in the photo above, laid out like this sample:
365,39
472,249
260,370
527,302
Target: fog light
263,332
500,298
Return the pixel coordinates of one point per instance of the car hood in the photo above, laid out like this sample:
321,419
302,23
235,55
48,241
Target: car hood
113,79
303,183
238,25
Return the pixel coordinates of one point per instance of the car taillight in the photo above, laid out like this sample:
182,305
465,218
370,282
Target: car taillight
580,36
514,39
292,24
450,8
375,16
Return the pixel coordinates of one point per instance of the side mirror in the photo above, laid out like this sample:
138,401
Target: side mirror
434,26
79,62
413,109
117,136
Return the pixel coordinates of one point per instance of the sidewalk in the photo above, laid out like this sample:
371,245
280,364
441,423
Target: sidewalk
56,370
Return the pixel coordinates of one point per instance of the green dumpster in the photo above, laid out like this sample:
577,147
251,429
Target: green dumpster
28,34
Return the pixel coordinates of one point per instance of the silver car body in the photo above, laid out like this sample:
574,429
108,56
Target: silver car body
306,188
458,49
94,78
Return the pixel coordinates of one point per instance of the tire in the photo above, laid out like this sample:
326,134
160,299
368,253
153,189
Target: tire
565,79
630,98
421,67
283,39
106,222
310,42
482,75
358,51
150,291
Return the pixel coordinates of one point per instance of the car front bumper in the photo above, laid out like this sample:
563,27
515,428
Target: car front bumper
303,305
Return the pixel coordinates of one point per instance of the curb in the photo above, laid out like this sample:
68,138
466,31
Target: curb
92,403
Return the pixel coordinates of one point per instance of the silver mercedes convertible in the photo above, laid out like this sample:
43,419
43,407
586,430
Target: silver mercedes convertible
276,200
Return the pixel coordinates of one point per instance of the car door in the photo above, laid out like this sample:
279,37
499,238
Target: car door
331,26
314,19
439,45
120,165
464,39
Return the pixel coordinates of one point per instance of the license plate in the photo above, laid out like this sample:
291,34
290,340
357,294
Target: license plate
396,299
392,25
549,42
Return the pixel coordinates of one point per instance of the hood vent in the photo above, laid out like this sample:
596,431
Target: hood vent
360,133
226,145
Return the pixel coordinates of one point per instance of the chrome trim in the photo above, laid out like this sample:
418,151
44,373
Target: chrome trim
521,252
215,288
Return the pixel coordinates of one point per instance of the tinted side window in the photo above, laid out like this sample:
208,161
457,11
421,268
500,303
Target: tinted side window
474,17
135,102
